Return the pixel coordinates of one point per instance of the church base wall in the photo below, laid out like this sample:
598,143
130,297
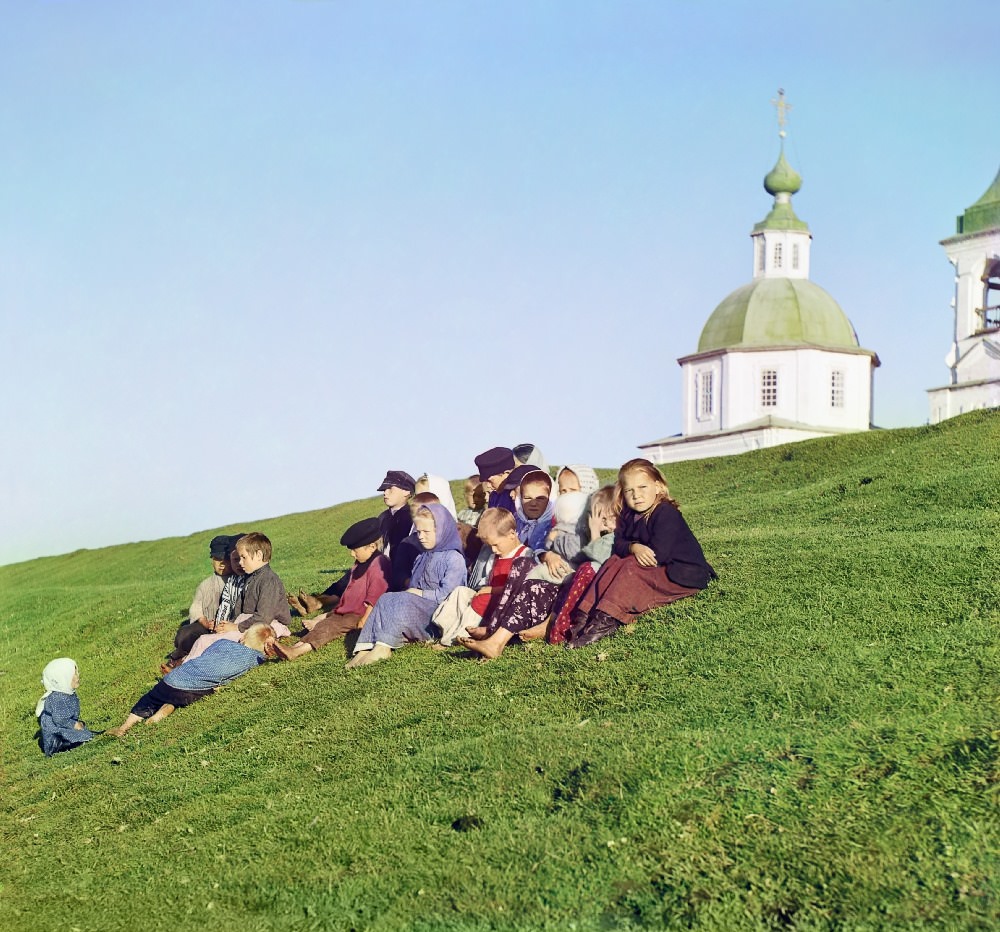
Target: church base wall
953,400
676,450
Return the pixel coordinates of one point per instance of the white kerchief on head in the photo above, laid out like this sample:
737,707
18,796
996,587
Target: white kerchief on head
57,677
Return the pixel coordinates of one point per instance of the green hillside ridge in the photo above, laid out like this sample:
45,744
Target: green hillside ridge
812,743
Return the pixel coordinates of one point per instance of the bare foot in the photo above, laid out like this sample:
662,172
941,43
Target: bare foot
536,632
120,732
485,649
366,657
290,653
310,602
295,605
479,633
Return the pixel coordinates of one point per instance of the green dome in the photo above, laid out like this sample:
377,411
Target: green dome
782,179
778,312
985,213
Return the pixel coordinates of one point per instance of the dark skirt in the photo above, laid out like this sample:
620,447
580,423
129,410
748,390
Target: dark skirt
165,694
524,603
623,589
571,591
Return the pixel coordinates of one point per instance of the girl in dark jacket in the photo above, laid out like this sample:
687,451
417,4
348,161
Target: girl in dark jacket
656,559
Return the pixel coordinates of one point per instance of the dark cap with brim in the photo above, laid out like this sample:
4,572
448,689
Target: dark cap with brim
362,533
494,462
219,548
520,473
399,479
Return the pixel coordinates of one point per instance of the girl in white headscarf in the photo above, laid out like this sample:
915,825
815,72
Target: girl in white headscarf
58,710
439,486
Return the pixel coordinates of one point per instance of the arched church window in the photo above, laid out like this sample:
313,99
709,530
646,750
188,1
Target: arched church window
769,388
837,388
989,313
777,255
760,255
795,255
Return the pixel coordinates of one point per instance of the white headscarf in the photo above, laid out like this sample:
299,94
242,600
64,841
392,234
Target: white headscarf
441,488
57,677
588,478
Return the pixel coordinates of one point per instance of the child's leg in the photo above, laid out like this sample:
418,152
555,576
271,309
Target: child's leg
536,632
366,657
290,653
160,714
490,648
130,720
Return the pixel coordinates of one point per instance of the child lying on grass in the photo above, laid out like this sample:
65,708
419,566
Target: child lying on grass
221,663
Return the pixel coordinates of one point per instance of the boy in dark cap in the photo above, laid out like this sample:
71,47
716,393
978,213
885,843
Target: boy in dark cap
397,487
368,579
494,467
201,616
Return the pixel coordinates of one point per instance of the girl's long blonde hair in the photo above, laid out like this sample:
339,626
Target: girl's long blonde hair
654,475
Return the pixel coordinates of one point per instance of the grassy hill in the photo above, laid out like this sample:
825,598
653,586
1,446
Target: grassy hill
812,743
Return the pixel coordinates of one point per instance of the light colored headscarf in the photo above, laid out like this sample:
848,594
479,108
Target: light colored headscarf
531,531
439,486
57,677
529,455
588,478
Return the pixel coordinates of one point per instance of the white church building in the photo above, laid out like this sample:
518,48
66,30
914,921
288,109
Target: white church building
974,358
778,360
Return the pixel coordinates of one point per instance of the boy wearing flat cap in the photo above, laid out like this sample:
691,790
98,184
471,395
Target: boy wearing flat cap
205,604
368,580
494,467
397,488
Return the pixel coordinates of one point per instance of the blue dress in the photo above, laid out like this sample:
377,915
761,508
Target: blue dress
57,723
399,617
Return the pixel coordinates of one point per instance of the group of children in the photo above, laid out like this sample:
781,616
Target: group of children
529,557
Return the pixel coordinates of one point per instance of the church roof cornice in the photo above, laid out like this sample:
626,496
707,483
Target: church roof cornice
782,347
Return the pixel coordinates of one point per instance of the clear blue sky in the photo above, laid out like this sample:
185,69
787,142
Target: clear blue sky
254,253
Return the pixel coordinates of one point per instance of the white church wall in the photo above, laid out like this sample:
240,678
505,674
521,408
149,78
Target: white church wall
952,400
793,385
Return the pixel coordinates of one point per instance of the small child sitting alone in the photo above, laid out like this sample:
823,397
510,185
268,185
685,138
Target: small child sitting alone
58,711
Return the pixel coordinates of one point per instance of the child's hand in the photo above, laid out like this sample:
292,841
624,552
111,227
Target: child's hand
78,726
486,590
556,565
644,556
223,626
551,536
596,525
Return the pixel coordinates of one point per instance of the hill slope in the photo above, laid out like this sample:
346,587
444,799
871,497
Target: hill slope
812,742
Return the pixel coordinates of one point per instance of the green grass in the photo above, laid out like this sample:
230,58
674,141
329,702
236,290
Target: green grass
812,743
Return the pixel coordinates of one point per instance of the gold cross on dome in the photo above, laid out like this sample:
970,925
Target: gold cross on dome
782,107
